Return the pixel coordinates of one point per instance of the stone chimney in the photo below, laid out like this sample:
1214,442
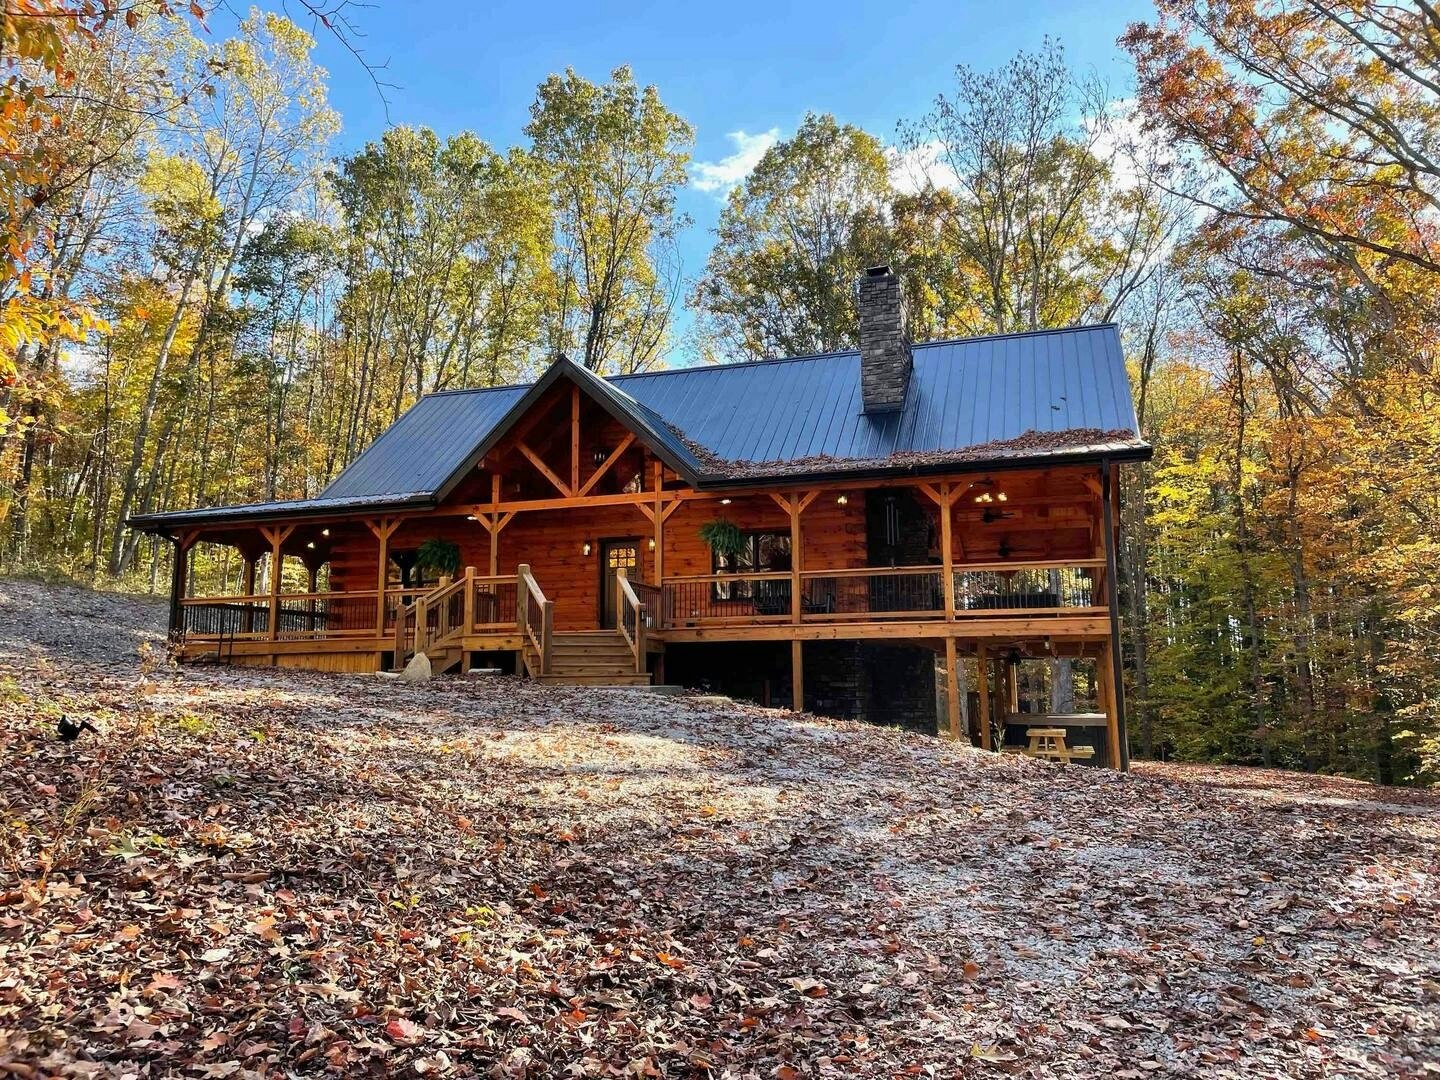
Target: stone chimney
884,341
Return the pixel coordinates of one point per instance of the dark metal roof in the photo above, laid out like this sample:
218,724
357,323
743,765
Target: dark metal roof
420,450
988,401
962,394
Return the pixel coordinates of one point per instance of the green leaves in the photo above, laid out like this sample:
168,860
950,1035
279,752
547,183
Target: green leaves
613,157
793,239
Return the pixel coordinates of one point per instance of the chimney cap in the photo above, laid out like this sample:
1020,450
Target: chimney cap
883,270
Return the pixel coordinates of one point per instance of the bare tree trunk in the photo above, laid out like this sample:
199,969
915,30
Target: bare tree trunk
120,552
1247,574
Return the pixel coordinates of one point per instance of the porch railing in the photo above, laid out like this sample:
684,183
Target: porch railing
883,593
1029,588
298,616
726,598
913,592
472,603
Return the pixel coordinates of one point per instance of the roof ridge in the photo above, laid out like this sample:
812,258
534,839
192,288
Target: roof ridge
834,354
1041,332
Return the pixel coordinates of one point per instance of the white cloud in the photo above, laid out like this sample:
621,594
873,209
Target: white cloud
912,170
1120,138
720,176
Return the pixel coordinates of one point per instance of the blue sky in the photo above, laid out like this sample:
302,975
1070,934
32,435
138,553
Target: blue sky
744,66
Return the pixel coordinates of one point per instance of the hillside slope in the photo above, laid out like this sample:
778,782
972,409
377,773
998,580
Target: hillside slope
264,874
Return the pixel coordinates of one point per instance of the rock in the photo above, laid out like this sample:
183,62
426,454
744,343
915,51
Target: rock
418,670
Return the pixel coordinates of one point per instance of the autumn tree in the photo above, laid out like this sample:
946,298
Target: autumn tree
613,157
447,266
1043,229
235,154
792,240
1305,134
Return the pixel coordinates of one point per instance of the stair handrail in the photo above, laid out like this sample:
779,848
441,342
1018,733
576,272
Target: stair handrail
535,618
438,600
628,605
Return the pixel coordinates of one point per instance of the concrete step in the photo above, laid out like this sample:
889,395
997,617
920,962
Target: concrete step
555,679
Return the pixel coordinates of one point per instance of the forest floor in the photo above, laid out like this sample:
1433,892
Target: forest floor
255,873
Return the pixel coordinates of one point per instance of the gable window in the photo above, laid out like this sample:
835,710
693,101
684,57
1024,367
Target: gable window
764,552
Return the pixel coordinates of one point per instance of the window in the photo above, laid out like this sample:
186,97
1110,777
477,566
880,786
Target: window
764,552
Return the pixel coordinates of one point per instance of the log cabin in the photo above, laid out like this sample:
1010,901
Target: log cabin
855,532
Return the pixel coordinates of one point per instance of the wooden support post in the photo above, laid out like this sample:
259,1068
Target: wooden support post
659,525
795,505
797,558
1012,687
383,530
574,438
180,578
983,663
1105,690
952,688
469,600
250,565
277,537
797,674
1112,592
947,557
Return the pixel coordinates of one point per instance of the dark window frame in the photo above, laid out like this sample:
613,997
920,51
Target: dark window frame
749,561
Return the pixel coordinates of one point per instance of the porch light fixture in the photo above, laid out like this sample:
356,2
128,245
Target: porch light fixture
311,545
600,455
1001,496
725,502
585,548
650,543
842,499
324,532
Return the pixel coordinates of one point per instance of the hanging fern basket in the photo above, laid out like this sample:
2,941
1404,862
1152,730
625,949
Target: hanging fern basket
724,537
440,556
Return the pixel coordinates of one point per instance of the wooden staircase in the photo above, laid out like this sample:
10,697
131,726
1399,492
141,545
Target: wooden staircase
435,625
592,658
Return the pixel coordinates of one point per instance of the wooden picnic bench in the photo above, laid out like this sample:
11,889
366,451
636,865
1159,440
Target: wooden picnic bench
1049,743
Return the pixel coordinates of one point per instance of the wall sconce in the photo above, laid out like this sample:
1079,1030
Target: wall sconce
842,499
650,543
585,548
600,455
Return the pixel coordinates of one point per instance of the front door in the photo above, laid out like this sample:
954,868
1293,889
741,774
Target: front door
615,554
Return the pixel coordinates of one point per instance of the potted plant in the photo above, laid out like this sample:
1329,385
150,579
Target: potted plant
440,556
724,537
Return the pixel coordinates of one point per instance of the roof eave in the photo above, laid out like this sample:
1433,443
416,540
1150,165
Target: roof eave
1088,456
165,523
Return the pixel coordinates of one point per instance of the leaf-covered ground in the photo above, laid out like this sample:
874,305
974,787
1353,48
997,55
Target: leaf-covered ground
276,874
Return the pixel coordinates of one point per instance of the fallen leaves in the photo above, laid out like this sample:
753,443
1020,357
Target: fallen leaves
487,878
404,1031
